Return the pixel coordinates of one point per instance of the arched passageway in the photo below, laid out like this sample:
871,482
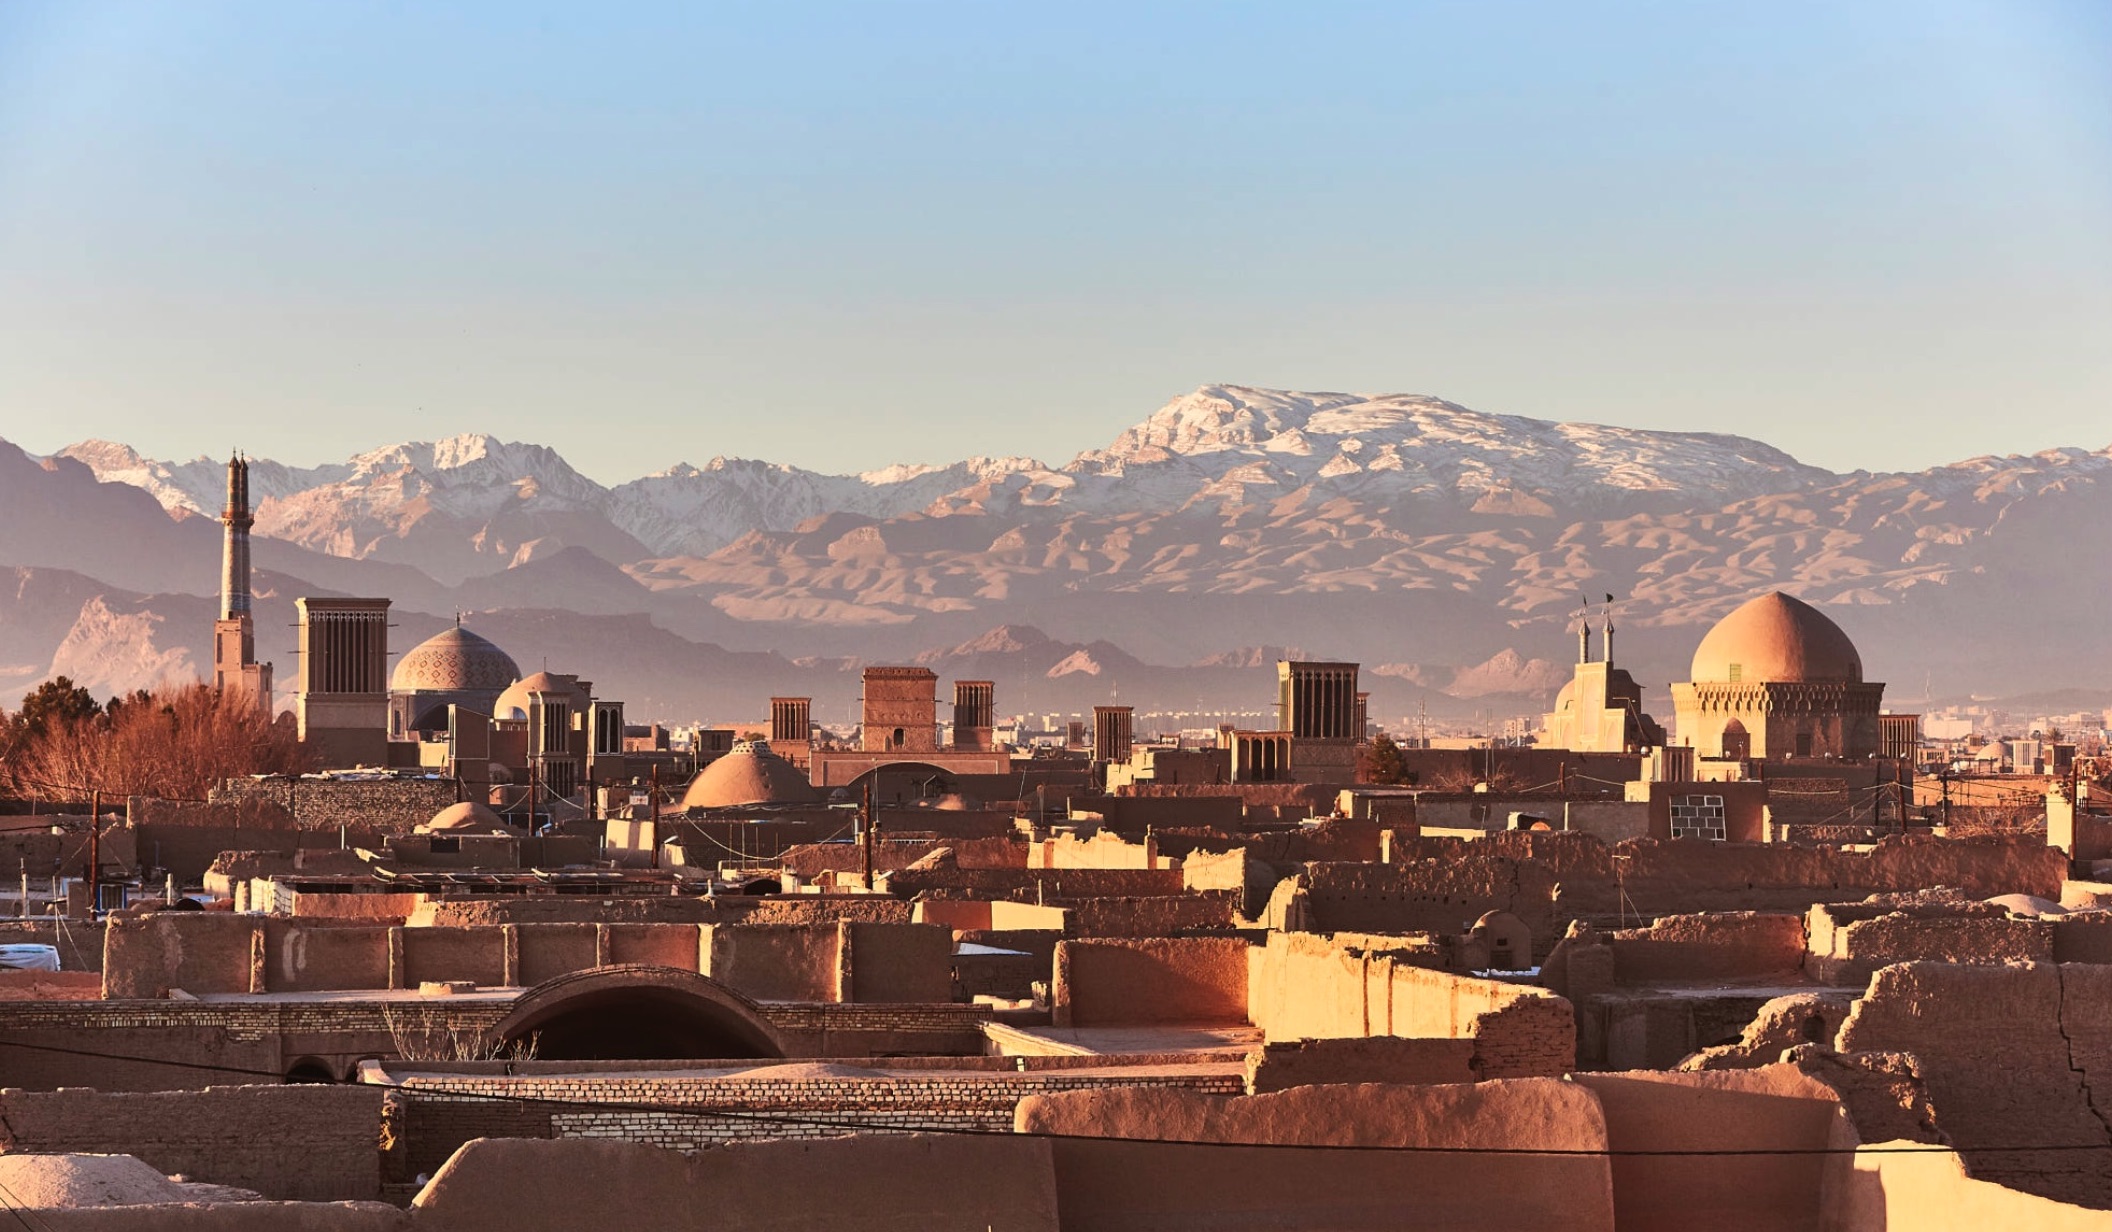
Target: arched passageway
636,1013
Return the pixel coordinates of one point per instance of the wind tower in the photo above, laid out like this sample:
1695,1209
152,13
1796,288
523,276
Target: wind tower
235,667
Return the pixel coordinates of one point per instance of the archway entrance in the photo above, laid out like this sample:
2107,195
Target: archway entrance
636,1013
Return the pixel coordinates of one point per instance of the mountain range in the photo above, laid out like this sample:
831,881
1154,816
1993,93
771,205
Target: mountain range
1442,547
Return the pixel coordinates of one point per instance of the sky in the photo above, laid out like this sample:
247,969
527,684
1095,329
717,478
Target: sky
1877,235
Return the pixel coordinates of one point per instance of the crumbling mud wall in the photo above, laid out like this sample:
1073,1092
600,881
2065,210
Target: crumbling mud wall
2013,1056
1307,987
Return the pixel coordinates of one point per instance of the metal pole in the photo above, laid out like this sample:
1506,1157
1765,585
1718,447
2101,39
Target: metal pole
656,814
865,835
95,846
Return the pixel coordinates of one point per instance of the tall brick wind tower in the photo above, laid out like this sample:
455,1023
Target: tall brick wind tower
235,666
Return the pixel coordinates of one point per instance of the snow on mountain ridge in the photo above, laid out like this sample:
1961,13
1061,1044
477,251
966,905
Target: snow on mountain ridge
1220,445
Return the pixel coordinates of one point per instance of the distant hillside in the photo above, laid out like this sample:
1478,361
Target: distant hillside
1441,546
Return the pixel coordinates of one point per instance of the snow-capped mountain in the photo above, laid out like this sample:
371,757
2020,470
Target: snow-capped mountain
1443,545
499,502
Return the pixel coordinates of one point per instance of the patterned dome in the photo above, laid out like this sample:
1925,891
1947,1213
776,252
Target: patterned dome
454,660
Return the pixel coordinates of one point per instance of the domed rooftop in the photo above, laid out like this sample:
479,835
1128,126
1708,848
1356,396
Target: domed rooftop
1775,639
454,660
513,703
467,817
750,774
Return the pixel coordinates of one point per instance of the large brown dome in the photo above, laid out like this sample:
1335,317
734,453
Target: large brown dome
1775,639
454,660
750,774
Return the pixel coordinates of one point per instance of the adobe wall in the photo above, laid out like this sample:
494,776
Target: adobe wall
1186,980
1694,948
188,848
1031,884
1137,1175
1155,916
1849,943
830,908
477,954
307,956
1894,1188
392,806
772,962
79,942
1282,1065
1434,895
892,963
307,1142
884,1183
230,1217
1306,987
2010,1055
811,859
1549,879
987,915
465,912
197,951
1776,1111
696,1110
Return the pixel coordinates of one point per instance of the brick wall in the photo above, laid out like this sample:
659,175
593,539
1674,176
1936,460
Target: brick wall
295,1143
437,1113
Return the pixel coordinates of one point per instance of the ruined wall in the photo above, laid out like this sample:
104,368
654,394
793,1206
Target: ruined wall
1689,948
2011,1055
1434,895
1931,1191
1156,916
199,952
1036,884
1307,987
1849,943
307,1142
1186,980
391,806
1282,1065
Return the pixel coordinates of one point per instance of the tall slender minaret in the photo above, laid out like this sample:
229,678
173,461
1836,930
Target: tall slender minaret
235,666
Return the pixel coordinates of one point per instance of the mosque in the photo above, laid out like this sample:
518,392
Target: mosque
1776,679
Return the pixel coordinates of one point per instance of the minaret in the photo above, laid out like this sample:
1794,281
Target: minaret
235,666
234,548
1609,629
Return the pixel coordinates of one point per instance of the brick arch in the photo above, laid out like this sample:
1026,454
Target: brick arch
637,1012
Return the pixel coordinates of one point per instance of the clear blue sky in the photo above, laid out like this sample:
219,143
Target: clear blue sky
1876,234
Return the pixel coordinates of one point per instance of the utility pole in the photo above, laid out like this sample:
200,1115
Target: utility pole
865,830
95,846
655,789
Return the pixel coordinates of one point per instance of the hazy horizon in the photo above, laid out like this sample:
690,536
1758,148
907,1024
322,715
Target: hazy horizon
841,237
